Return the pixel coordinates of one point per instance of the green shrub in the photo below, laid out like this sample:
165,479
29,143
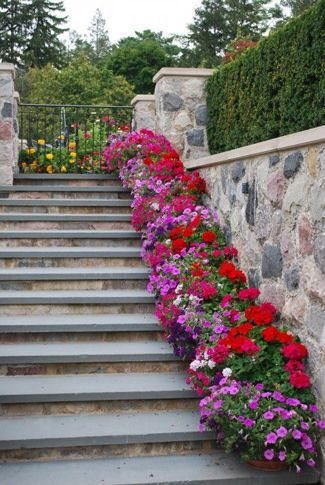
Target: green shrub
273,89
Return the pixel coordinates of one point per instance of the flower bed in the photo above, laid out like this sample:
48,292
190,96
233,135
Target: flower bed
247,365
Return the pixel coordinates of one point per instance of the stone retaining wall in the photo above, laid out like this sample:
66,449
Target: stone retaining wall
278,228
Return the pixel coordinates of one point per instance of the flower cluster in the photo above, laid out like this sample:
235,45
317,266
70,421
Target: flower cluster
209,314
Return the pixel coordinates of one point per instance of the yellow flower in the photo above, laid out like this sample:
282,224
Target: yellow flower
30,151
72,160
41,141
72,145
61,137
63,169
49,156
49,169
73,154
35,162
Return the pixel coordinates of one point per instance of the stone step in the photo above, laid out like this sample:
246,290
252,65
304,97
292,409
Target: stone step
79,323
66,179
22,217
70,238
6,189
217,468
66,352
108,429
67,252
108,387
66,191
65,206
75,297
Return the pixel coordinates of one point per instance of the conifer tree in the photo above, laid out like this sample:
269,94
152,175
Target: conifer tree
98,37
13,30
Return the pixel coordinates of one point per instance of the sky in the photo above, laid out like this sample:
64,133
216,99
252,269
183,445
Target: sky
123,17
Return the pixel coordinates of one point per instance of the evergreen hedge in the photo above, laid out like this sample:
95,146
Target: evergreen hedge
272,90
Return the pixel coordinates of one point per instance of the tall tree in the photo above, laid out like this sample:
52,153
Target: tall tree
44,45
98,36
217,22
13,32
297,6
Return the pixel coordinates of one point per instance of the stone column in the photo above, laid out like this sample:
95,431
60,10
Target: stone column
144,111
8,124
181,111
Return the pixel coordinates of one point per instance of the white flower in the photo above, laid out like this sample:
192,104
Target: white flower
227,372
211,364
196,364
155,206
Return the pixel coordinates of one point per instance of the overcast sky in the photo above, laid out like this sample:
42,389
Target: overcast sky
123,17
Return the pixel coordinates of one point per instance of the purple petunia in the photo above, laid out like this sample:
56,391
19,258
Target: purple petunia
282,432
278,396
321,424
269,454
271,438
268,415
249,423
253,404
292,401
282,455
297,434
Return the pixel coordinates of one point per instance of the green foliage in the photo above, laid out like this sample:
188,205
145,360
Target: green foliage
139,58
12,32
272,90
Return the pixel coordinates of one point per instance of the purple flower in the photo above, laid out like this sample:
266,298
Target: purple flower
321,424
253,404
268,415
259,387
304,425
311,462
266,394
282,455
271,438
282,432
297,434
249,423
206,324
217,404
269,454
306,442
313,408
292,401
278,396
181,319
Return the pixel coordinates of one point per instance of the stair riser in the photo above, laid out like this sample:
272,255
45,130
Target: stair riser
67,209
82,337
53,225
65,195
36,309
106,451
70,262
70,183
100,284
98,407
91,368
69,242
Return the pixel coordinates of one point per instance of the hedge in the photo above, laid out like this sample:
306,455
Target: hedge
272,90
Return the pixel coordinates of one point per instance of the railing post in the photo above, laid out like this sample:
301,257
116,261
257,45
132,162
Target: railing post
181,111
144,112
8,124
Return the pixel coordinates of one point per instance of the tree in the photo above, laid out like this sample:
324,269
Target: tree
139,58
218,22
44,45
297,6
13,33
98,37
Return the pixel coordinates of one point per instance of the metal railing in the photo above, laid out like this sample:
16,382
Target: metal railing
64,130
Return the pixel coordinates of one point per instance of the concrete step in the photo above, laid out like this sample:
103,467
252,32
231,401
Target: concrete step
108,429
65,206
217,468
6,189
66,352
83,190
22,217
108,387
79,323
72,238
75,297
66,179
66,252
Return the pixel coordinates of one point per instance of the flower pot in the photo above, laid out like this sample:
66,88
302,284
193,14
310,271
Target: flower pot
267,465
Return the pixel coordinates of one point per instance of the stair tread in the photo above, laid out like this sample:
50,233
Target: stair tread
15,216
36,352
67,323
217,468
62,176
67,202
62,188
54,388
67,251
75,233
82,273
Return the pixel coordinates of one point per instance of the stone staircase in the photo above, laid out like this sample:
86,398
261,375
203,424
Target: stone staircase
90,393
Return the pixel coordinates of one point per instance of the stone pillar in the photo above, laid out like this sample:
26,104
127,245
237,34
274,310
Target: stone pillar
8,124
144,111
181,111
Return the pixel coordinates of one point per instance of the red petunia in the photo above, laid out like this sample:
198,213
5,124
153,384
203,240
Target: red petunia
296,351
208,237
249,294
187,232
176,233
178,245
270,334
294,365
299,379
261,314
285,338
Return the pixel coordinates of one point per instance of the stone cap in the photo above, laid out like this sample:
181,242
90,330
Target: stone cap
182,72
17,96
143,98
7,67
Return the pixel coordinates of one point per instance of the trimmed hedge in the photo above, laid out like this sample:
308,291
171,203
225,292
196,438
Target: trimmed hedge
272,90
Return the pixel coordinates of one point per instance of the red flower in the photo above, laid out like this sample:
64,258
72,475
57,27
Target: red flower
261,314
217,253
188,232
230,271
148,161
208,290
208,237
296,351
220,353
230,252
270,334
197,270
245,328
285,338
294,365
249,294
178,245
175,233
299,379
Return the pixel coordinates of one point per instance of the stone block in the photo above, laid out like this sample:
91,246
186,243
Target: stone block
254,278
294,310
237,172
273,292
182,121
272,262
275,187
319,252
201,115
274,160
314,282
315,321
6,85
172,102
292,278
7,110
195,137
263,221
292,164
252,204
305,235
6,131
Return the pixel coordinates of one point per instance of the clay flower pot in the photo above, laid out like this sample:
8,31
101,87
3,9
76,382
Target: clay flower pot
267,465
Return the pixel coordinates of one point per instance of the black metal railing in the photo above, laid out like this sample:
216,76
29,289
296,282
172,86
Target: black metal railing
68,138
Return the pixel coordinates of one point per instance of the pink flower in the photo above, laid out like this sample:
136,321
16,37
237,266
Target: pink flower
269,454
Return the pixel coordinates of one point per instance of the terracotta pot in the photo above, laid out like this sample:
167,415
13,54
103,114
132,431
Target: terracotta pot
267,465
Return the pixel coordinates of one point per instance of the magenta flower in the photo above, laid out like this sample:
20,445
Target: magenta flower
278,396
293,402
306,442
282,432
268,415
297,434
321,424
249,423
282,455
253,404
269,454
271,438
311,462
